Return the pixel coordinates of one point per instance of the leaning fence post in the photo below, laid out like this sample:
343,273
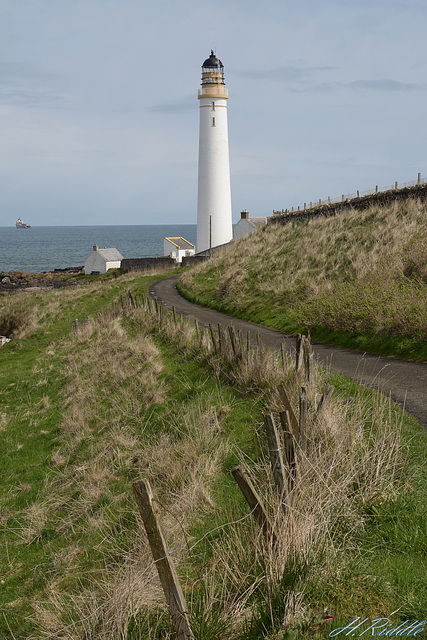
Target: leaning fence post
254,501
288,407
165,567
303,418
329,389
276,459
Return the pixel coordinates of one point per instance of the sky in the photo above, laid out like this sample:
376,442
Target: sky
99,114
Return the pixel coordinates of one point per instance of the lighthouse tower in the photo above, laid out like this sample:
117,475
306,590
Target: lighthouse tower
214,220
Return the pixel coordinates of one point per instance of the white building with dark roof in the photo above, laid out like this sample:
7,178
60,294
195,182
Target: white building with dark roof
178,248
247,224
100,260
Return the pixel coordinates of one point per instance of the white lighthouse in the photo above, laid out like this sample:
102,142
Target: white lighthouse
214,219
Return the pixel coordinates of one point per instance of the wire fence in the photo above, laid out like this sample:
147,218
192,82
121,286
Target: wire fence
397,186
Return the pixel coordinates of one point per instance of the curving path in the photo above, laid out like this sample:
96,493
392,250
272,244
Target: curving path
405,382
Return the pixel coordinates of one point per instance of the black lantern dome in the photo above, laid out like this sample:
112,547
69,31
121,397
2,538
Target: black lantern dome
212,62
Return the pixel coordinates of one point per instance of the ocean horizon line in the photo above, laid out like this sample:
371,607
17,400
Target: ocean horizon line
63,226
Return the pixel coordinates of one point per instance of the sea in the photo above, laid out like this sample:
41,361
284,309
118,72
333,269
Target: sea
48,248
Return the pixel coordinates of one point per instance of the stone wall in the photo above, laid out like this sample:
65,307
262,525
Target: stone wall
381,198
144,264
187,261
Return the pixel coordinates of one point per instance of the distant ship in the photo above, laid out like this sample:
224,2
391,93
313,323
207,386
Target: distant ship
20,224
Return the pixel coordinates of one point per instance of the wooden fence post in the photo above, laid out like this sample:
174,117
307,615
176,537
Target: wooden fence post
208,342
174,315
165,567
213,338
306,350
233,340
241,347
254,501
276,459
293,422
303,418
289,448
298,353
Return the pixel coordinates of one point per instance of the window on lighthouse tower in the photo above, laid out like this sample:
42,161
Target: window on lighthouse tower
213,122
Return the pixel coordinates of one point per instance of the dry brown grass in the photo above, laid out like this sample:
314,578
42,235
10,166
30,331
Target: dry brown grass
345,471
359,271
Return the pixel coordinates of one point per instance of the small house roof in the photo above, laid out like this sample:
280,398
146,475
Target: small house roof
257,222
180,243
110,255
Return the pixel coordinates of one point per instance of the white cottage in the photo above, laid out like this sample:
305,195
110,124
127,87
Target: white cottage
100,260
247,225
178,248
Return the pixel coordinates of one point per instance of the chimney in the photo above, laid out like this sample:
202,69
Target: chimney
95,247
244,215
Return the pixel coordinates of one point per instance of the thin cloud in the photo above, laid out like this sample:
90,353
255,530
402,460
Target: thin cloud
15,95
380,85
27,85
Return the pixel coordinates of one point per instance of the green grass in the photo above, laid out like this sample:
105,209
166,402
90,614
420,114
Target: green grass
71,534
34,384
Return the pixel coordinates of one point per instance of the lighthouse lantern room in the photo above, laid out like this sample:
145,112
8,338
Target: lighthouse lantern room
214,217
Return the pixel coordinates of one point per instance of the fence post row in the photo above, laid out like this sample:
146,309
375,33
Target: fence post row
165,567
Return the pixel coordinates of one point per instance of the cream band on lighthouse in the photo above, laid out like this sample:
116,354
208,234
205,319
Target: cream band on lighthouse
214,216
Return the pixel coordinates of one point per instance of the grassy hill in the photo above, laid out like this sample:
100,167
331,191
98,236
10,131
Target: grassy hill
89,407
358,279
